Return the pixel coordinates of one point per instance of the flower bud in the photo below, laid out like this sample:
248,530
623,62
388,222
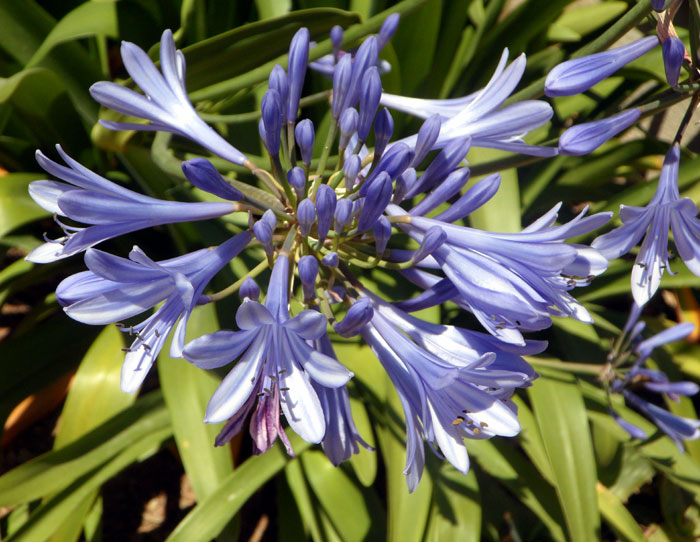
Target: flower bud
269,217
298,60
279,82
673,52
403,184
351,170
381,232
330,259
304,134
578,75
427,136
658,5
443,164
378,197
342,76
343,214
474,198
249,290
308,270
263,233
393,162
370,93
432,240
365,58
348,126
202,174
383,130
306,215
587,137
326,201
336,39
444,191
296,177
355,319
387,30
271,108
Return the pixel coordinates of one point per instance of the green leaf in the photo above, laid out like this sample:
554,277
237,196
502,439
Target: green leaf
38,99
187,390
517,474
502,212
617,516
407,512
341,499
561,416
308,509
587,18
212,514
16,207
94,397
25,26
456,511
44,519
55,470
109,18
268,9
363,463
415,43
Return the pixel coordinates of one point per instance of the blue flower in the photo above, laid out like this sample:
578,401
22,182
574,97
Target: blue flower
638,377
587,137
452,383
673,52
112,209
115,289
580,74
165,103
652,222
276,364
480,115
509,281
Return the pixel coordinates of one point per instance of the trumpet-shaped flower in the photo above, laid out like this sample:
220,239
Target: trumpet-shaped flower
112,209
452,383
511,281
115,289
580,74
165,104
481,115
652,222
276,365
653,380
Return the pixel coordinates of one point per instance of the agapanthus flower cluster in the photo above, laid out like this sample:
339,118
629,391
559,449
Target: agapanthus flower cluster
666,210
323,223
637,383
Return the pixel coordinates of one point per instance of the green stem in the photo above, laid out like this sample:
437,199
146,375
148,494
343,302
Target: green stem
611,35
568,366
233,288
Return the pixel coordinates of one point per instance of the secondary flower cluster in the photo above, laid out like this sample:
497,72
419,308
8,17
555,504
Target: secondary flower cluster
665,210
321,224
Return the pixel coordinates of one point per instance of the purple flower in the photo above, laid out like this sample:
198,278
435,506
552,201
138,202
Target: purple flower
305,136
271,109
453,383
587,137
481,115
673,52
165,103
111,209
652,222
370,93
509,281
276,365
637,376
342,437
298,60
115,289
578,75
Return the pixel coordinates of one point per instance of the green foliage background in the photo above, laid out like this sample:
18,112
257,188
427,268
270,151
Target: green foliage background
572,474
